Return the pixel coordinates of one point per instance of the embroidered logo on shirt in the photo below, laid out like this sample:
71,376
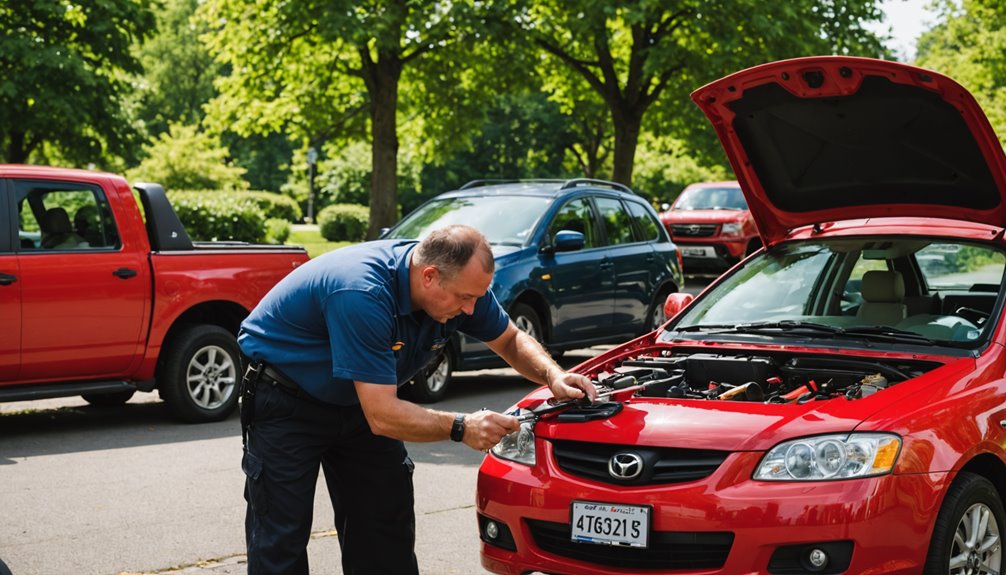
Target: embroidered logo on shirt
398,345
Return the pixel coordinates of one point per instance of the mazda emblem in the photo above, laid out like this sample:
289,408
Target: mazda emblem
625,466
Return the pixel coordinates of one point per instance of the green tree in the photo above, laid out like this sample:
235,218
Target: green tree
63,69
633,56
969,44
185,159
312,66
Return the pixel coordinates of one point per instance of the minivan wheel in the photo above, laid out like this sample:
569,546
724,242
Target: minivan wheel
656,316
526,320
430,385
200,375
967,536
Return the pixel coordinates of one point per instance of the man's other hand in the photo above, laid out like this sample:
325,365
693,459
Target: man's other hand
567,385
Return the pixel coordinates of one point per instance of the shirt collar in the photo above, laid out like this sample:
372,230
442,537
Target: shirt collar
402,277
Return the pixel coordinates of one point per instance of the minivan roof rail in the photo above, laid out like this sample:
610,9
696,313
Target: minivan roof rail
566,184
480,183
592,182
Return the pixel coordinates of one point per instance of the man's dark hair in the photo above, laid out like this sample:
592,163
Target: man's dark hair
449,250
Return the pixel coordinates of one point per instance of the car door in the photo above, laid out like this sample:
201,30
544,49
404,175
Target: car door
630,261
84,297
10,291
581,282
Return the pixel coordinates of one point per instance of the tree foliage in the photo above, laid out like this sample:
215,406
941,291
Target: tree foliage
63,72
186,159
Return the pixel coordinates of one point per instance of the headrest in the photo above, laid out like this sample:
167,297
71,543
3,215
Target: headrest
883,286
56,221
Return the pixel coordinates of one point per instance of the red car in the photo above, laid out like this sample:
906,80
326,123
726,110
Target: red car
835,403
712,226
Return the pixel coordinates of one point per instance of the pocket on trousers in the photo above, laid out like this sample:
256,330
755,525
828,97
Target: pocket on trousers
255,489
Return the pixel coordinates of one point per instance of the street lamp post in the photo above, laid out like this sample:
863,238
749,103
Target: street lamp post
312,159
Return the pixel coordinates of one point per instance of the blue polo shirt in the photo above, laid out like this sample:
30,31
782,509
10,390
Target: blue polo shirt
347,315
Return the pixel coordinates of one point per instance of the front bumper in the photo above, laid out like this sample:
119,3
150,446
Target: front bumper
887,520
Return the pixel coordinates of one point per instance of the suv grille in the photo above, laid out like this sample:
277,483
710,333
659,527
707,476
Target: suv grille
660,464
694,230
667,549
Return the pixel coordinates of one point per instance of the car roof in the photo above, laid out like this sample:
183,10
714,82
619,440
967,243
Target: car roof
536,188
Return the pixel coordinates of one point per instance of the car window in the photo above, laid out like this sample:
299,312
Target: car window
504,220
711,199
64,217
948,267
647,225
616,221
576,215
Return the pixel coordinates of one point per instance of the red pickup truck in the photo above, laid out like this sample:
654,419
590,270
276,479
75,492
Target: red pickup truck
103,293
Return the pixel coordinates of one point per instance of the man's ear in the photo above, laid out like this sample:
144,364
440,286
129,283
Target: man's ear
429,275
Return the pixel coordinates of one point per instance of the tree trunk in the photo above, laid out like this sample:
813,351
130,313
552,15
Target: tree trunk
384,150
17,153
626,139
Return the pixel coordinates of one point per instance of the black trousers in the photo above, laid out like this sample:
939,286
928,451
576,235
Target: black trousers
369,481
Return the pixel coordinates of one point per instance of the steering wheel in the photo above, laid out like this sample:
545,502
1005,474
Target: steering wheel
975,316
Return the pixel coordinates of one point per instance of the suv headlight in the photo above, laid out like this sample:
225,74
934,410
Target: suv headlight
824,457
517,446
732,229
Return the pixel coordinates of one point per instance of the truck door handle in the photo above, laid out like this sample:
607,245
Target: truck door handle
124,273
7,279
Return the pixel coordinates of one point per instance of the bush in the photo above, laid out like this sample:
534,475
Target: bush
274,205
219,216
344,222
277,231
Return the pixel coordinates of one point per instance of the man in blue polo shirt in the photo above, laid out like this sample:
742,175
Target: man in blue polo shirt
328,347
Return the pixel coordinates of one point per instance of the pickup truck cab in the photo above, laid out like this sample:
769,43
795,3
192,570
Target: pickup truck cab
101,299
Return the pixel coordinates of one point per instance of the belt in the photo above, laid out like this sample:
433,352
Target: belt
272,376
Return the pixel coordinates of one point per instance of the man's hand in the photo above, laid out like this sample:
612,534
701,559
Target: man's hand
565,385
484,429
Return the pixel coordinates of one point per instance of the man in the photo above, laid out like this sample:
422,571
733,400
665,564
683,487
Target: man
329,345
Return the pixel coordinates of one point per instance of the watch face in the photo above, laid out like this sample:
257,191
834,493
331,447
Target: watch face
458,429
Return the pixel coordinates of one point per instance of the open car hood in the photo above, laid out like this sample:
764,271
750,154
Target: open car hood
822,139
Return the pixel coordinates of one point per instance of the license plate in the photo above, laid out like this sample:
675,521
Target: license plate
699,252
610,524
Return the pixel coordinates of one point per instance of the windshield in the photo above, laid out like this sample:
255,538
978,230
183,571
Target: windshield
504,220
941,289
711,199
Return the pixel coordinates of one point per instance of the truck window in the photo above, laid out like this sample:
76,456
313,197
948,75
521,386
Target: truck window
59,217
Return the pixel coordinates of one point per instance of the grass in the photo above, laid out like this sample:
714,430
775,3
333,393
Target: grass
315,244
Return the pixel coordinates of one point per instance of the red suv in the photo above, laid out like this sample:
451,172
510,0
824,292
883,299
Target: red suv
712,226
835,403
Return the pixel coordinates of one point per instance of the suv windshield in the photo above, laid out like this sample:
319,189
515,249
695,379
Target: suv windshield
711,199
892,288
504,220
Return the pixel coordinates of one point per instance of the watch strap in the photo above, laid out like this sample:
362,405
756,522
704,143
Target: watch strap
458,427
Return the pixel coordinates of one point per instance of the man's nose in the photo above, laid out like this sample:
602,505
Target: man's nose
468,308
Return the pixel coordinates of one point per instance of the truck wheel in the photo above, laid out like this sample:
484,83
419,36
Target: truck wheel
967,536
200,375
430,386
109,399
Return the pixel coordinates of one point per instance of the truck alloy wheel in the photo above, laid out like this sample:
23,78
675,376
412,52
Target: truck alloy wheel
200,376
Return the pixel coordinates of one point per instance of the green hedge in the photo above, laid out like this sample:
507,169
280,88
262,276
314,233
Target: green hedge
219,216
274,205
344,222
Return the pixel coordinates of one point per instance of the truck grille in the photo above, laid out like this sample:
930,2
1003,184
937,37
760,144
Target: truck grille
667,549
694,230
660,464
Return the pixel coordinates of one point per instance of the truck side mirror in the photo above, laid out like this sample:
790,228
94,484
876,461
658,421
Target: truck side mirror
676,302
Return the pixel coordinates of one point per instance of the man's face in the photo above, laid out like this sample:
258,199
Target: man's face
450,297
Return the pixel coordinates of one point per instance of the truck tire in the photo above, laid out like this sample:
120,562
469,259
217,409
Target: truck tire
200,374
430,385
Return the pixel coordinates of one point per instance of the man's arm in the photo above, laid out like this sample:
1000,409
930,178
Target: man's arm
404,420
530,359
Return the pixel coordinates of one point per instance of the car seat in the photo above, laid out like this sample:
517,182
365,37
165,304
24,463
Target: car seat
57,233
883,298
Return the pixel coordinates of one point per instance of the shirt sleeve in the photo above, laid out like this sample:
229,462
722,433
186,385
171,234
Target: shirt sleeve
361,327
488,320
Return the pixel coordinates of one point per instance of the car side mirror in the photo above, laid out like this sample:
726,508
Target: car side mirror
384,232
665,206
676,302
568,241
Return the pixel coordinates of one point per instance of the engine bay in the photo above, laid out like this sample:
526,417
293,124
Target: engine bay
761,377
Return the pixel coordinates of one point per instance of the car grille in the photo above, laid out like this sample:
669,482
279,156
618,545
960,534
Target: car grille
666,549
694,230
660,464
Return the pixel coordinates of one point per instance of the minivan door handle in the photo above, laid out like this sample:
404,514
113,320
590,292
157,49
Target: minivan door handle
7,279
125,273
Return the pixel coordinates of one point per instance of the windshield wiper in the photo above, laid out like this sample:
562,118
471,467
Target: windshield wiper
887,333
787,326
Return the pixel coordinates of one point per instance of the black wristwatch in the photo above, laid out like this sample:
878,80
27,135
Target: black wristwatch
458,428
